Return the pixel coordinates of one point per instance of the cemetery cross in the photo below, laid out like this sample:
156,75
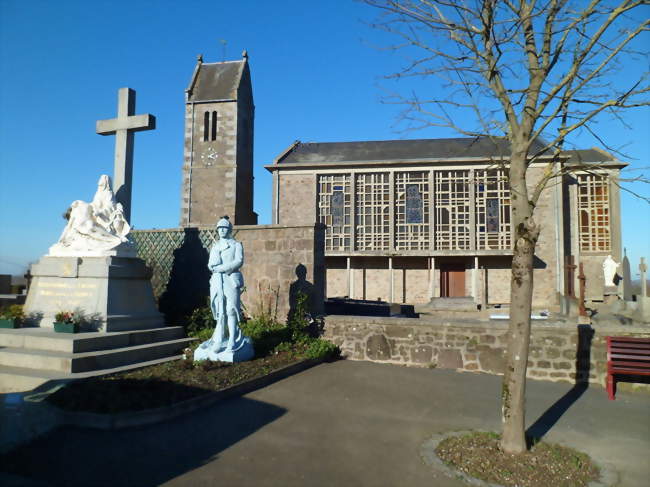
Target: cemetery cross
123,128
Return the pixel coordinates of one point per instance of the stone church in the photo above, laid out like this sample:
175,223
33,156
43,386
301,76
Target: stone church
405,220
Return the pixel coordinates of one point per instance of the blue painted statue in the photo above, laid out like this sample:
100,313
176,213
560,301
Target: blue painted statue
226,284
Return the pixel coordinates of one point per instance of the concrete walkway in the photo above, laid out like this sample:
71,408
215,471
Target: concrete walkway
344,423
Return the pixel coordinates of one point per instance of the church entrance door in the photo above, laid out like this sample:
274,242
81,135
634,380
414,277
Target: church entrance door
452,281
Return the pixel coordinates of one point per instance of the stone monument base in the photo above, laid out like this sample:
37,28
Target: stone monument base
111,293
242,353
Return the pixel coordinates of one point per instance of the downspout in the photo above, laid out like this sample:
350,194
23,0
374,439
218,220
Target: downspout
559,240
277,197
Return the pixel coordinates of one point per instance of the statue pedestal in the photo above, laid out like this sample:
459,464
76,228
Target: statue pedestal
112,293
242,353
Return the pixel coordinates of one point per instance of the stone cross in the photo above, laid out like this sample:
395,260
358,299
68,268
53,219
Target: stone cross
644,285
123,127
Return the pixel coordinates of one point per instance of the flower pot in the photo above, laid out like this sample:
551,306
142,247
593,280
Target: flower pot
66,327
9,323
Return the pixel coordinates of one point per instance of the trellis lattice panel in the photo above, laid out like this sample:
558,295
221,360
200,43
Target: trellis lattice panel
593,212
412,210
157,248
492,210
452,210
372,211
334,210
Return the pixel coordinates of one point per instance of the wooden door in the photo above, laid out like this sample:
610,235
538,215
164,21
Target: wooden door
452,281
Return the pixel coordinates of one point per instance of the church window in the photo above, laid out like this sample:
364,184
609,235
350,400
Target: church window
492,210
213,126
412,210
334,210
372,211
452,210
593,211
206,126
209,126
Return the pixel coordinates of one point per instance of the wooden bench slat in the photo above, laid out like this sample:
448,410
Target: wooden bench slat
635,348
640,358
630,372
638,353
629,339
640,365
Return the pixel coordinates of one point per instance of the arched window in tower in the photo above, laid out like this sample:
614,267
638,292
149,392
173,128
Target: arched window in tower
213,128
206,125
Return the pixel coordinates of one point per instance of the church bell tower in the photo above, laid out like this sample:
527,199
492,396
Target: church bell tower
218,155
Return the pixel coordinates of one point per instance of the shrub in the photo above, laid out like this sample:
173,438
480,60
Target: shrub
200,319
319,348
266,333
299,319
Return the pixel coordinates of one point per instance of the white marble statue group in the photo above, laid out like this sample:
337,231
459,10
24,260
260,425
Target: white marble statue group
94,229
226,284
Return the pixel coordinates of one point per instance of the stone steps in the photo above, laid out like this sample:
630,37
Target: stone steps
85,361
30,357
46,339
16,379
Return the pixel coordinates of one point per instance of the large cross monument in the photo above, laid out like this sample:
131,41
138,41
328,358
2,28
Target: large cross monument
123,127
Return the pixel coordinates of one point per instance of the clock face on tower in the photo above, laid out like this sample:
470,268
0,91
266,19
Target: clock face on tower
209,157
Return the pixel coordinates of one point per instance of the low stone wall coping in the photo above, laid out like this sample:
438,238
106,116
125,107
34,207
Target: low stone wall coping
609,329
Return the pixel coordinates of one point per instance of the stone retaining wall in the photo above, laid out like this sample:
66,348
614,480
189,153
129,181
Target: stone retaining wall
558,351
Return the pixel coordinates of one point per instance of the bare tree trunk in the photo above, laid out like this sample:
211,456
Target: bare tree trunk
513,394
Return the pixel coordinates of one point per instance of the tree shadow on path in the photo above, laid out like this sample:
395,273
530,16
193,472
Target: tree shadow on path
551,416
150,455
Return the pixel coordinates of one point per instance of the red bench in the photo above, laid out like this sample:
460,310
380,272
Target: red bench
626,356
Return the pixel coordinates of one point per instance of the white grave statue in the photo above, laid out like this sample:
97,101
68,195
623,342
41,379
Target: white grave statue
93,269
95,229
609,271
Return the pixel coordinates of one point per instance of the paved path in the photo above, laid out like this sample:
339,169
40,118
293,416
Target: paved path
339,424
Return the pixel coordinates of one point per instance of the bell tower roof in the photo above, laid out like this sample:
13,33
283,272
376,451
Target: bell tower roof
217,81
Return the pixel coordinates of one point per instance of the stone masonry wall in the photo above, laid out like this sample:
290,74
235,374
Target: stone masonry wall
558,352
272,253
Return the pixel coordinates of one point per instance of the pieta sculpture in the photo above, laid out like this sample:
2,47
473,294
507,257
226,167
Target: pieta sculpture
97,228
226,284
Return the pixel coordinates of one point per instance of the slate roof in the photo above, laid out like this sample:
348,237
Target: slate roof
216,81
392,150
589,156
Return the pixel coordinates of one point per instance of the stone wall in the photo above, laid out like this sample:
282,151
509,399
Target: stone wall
272,254
297,205
558,351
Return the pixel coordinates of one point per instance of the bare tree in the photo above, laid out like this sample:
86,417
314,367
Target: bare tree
525,70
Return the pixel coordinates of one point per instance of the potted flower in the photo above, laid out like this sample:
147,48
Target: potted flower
67,322
11,316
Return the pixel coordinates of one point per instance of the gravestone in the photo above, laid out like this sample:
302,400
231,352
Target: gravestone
643,301
627,279
642,273
93,269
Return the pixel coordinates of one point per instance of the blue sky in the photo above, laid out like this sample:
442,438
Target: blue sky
316,77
